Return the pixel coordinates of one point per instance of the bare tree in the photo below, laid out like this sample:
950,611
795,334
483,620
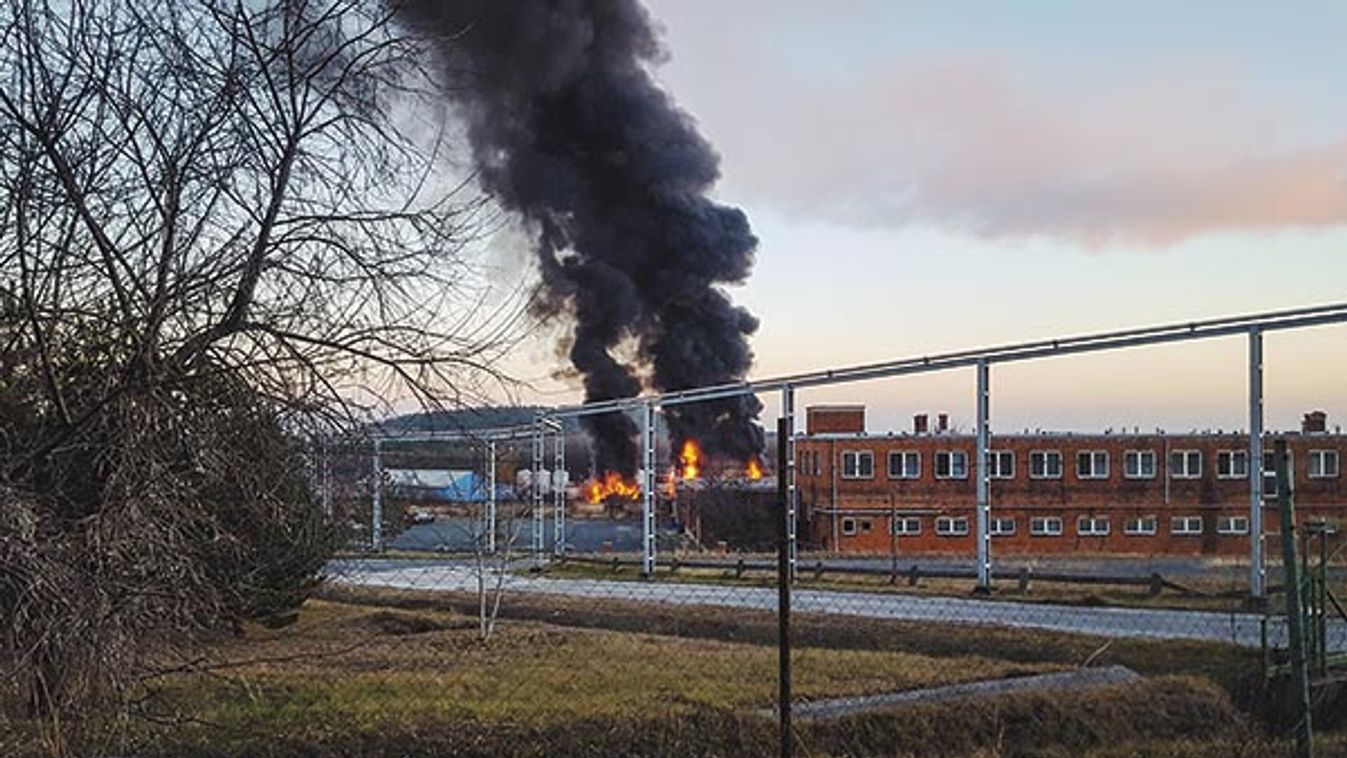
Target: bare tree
221,223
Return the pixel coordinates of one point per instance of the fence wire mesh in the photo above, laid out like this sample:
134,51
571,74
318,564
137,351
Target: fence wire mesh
460,616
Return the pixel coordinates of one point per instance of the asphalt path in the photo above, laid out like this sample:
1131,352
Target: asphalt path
1239,628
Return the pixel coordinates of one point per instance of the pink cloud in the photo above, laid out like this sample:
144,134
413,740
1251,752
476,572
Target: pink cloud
1169,152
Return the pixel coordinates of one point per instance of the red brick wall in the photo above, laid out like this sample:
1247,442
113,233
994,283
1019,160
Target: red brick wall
835,419
1208,496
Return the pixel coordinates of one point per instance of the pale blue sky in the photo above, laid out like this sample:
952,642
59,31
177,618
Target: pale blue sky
935,176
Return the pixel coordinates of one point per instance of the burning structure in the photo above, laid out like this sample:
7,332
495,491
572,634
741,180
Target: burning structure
569,131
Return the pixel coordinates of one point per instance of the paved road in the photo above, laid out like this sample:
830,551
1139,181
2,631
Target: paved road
1238,628
453,534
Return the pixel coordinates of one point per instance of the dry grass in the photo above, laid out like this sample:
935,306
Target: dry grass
368,679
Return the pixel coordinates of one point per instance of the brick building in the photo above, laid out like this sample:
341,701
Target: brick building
1137,493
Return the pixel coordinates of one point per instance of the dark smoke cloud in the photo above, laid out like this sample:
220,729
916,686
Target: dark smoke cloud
568,129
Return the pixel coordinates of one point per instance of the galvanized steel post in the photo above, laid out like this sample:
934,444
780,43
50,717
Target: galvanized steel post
538,453
490,536
1257,572
788,473
648,489
984,479
559,478
376,533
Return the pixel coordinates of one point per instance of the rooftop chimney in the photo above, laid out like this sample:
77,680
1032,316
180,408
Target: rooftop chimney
1316,422
942,423
920,424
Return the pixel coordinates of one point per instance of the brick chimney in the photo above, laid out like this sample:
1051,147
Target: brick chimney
1315,422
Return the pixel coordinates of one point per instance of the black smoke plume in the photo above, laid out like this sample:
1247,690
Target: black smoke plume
569,130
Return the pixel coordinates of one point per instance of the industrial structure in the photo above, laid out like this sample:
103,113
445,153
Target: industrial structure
1128,492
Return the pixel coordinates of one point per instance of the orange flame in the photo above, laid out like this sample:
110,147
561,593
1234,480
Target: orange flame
611,485
672,485
691,458
754,469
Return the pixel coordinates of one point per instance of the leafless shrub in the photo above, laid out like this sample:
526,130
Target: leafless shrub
220,229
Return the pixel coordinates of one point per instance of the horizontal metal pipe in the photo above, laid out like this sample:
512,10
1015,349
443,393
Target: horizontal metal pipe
1188,331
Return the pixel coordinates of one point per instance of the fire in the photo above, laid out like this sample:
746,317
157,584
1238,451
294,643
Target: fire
754,469
672,485
611,485
691,458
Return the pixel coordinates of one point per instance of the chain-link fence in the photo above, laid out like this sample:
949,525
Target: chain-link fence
444,627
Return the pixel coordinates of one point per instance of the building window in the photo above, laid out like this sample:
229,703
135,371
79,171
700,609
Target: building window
1001,527
1045,526
1001,464
905,464
1045,464
1232,464
849,526
858,464
1141,526
817,469
951,464
1139,464
1092,526
866,525
950,526
1185,525
908,526
1232,525
1323,464
1092,464
1185,464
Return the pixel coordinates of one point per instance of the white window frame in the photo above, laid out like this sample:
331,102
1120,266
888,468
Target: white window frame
1270,472
1228,457
859,454
902,456
1324,456
855,526
1095,456
1039,526
994,460
1136,526
905,522
949,455
1095,522
1180,526
945,526
996,526
1188,456
1226,525
1045,456
1139,456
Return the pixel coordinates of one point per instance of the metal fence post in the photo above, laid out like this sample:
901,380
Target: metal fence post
538,453
1295,618
783,582
1257,571
376,534
648,531
984,480
559,478
786,470
491,497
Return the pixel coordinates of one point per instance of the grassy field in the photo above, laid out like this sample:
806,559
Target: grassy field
376,673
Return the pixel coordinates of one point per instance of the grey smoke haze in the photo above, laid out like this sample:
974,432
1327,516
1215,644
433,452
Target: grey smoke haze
568,130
